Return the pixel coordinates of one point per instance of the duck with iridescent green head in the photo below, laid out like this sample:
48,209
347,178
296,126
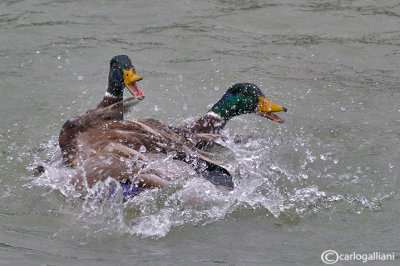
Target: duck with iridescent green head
110,108
241,98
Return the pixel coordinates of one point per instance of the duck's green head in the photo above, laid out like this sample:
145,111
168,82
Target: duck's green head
122,73
243,98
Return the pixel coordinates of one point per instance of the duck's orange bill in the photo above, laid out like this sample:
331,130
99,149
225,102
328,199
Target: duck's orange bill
266,108
130,78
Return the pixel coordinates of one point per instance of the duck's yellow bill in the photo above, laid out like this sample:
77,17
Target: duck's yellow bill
130,78
266,108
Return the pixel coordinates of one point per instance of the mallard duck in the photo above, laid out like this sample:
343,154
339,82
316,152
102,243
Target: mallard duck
101,144
239,99
111,107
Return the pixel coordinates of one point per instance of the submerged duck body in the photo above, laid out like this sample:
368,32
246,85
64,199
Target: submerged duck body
101,144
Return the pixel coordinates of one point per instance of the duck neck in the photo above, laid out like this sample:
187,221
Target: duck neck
108,99
211,123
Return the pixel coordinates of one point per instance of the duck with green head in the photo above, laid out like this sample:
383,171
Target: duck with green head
241,98
101,144
111,107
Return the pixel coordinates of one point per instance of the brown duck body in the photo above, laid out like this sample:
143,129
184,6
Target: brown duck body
108,109
101,144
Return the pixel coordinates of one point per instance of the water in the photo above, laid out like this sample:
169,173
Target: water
326,179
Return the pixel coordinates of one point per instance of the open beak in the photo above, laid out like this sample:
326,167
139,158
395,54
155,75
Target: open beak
266,108
130,79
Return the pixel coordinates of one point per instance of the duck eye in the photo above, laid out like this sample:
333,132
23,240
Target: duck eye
127,74
245,93
114,65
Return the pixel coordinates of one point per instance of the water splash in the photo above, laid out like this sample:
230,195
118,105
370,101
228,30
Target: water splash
280,176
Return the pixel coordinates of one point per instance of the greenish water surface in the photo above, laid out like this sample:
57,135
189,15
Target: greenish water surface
326,179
